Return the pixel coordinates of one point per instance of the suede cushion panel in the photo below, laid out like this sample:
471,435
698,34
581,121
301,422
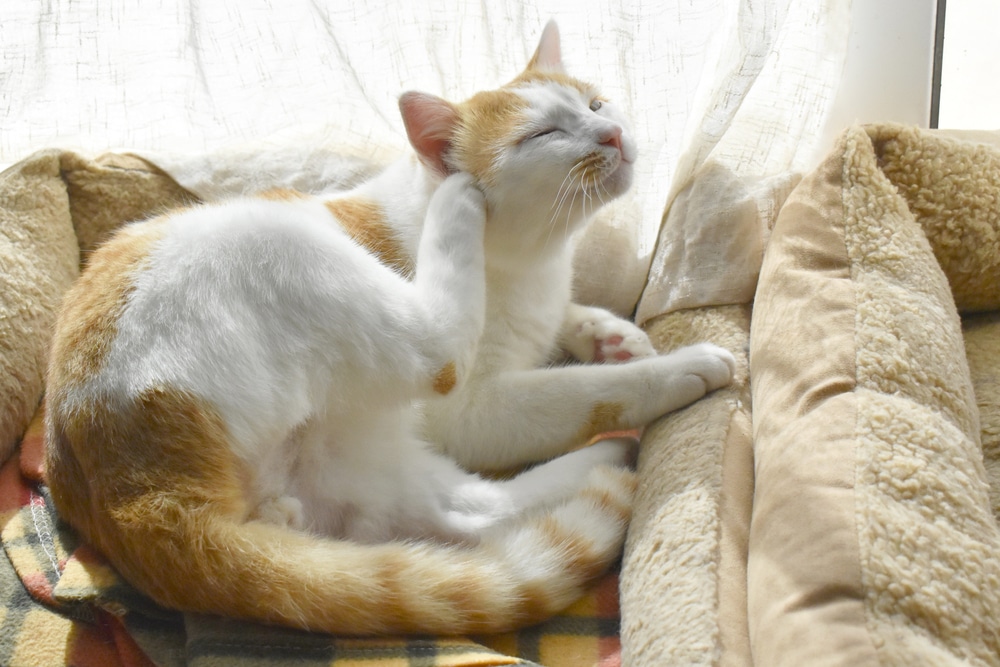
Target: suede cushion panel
683,585
38,262
805,589
113,188
982,348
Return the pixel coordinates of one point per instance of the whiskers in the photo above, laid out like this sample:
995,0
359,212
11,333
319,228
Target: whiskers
582,180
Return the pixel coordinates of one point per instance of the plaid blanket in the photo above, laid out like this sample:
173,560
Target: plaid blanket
62,604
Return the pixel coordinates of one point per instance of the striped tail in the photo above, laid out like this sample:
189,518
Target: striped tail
519,574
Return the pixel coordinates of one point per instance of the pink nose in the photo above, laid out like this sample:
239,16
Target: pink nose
613,138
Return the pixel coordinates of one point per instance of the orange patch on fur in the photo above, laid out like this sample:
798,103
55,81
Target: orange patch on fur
365,222
137,476
446,379
603,417
530,76
282,194
92,306
489,124
609,502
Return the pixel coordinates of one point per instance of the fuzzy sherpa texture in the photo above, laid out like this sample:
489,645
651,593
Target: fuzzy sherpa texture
873,537
873,541
927,536
949,185
683,582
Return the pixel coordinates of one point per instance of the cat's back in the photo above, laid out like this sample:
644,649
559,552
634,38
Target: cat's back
249,298
260,250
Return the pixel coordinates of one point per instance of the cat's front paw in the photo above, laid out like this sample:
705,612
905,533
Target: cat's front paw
713,364
459,198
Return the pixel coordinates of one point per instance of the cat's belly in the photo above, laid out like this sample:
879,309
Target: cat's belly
348,476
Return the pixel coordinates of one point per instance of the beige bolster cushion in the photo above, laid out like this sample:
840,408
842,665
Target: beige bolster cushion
872,538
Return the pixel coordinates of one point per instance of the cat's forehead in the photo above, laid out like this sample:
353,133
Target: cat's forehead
490,115
506,105
538,78
545,99
547,89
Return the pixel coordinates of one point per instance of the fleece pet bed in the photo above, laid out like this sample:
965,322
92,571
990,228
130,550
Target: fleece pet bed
872,538
849,519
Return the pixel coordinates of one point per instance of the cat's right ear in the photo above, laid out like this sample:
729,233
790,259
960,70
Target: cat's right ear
430,124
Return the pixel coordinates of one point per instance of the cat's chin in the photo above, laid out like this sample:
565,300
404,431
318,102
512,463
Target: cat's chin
618,181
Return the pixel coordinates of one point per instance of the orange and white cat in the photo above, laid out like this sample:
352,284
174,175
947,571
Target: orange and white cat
267,407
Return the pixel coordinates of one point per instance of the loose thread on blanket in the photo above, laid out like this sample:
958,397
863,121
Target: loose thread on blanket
44,531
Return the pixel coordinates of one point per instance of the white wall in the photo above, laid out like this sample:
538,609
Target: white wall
887,75
970,67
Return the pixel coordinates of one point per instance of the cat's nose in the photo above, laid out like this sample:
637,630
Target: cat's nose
612,137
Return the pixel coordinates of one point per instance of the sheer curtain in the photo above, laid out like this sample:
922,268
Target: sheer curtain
727,99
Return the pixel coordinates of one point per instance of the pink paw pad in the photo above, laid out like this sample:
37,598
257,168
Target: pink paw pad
610,343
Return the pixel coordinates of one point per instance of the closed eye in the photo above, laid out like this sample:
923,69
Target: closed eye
541,133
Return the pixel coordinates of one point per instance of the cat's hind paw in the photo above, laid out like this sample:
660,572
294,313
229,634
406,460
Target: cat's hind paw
618,348
281,511
601,337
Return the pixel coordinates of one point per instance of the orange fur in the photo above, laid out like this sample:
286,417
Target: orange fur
178,491
153,482
171,496
93,304
603,417
446,379
282,194
489,123
365,222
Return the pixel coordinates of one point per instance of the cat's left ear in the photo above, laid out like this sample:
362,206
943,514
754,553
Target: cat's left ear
430,124
548,55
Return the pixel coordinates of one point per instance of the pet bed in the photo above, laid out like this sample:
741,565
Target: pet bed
850,518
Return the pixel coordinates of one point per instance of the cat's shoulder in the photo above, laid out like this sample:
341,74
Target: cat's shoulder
364,218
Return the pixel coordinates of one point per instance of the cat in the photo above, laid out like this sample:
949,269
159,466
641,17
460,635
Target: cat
268,407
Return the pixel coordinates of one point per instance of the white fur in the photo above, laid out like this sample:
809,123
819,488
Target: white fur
322,361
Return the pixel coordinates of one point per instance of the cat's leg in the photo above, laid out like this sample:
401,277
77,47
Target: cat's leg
450,277
473,504
378,482
595,334
412,338
561,477
519,417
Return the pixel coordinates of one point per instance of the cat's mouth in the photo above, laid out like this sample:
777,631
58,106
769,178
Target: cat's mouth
619,179
613,174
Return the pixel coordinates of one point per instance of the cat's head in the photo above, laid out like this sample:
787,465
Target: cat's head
544,145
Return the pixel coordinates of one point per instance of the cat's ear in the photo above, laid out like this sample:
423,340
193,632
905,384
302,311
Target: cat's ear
430,124
548,55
